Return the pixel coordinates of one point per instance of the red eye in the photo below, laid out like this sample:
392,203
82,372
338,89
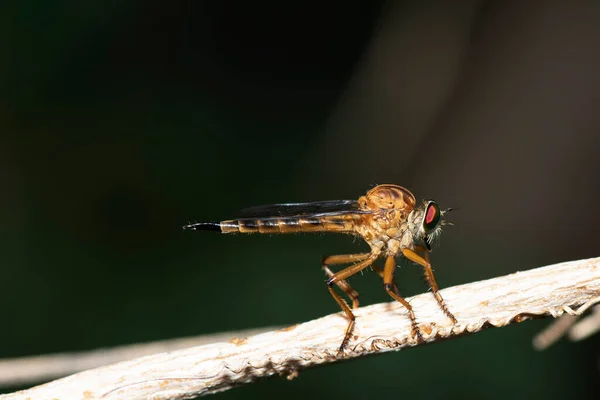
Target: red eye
432,217
431,214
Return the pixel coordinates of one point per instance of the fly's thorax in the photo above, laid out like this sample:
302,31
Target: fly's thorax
387,197
390,220
380,228
367,229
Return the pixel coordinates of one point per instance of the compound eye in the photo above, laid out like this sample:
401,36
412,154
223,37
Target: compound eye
432,217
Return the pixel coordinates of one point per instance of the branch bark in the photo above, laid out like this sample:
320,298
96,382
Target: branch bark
35,369
569,287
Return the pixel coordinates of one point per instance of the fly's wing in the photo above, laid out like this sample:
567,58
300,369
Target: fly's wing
314,209
320,216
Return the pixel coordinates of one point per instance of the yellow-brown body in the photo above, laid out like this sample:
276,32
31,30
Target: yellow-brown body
387,218
381,219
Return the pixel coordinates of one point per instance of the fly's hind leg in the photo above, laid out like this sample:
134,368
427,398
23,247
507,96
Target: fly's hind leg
423,260
343,284
388,284
339,279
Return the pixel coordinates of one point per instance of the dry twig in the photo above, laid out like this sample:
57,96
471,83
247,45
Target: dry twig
548,291
35,369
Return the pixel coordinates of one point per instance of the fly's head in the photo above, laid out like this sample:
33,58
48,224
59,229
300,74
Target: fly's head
427,221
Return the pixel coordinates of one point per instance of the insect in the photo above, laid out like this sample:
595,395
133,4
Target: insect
387,218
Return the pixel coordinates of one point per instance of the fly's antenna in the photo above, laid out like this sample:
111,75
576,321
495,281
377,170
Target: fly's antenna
444,222
447,210
203,226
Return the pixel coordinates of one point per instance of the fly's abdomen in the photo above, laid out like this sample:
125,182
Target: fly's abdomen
289,225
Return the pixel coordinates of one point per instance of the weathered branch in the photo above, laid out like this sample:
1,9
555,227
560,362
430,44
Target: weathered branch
549,291
35,369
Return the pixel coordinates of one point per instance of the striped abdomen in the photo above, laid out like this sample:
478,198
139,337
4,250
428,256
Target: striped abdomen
338,223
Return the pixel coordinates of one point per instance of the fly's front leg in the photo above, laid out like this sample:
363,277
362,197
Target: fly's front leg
423,260
341,276
388,284
343,284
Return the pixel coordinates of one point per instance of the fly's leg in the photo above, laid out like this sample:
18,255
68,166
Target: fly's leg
343,284
379,272
342,276
424,262
388,284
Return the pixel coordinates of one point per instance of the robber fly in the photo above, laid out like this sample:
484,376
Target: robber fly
387,218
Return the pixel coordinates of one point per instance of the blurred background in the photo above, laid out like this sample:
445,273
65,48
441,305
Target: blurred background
122,121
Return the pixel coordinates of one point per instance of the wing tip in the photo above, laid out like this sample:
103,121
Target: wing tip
203,226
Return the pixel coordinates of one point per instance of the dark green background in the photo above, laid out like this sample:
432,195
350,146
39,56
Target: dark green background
120,122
